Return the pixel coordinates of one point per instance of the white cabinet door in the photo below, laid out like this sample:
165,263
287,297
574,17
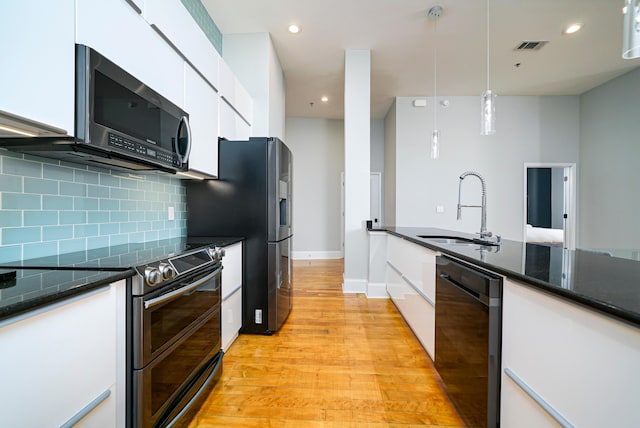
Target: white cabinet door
37,78
232,126
234,93
231,318
411,276
415,309
232,269
201,102
56,361
584,365
115,30
174,21
231,294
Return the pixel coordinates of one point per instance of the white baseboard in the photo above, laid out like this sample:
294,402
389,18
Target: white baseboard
316,255
354,286
377,290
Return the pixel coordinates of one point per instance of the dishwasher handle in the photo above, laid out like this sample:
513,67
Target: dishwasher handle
481,298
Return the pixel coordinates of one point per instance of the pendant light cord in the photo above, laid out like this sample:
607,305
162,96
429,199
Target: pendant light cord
435,75
488,45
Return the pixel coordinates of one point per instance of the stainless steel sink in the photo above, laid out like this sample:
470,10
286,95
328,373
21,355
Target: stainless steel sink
456,240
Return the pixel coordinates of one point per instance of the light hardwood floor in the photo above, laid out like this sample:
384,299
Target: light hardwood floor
341,360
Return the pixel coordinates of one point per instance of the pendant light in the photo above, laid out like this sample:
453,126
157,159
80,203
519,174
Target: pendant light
434,14
488,98
631,31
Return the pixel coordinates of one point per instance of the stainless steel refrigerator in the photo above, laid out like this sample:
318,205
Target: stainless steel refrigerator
252,198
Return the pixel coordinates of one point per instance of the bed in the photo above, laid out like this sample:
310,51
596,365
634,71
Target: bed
543,234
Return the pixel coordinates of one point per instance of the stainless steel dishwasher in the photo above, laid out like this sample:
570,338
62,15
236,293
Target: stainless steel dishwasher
468,339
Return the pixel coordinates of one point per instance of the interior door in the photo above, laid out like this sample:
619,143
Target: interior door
376,199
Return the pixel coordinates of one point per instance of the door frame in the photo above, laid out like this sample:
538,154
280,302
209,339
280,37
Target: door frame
570,205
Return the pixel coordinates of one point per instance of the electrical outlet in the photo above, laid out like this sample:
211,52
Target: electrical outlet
258,316
439,209
171,213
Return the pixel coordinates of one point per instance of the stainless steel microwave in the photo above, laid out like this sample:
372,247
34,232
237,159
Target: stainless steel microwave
120,123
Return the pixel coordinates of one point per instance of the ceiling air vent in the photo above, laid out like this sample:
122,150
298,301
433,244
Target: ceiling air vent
530,45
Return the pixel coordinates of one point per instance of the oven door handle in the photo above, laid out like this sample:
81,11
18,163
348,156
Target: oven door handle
180,291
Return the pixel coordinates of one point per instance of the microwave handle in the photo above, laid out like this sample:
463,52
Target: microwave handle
184,121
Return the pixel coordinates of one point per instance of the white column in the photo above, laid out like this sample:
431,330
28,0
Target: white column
357,148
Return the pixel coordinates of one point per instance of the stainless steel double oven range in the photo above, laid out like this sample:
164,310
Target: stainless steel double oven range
173,336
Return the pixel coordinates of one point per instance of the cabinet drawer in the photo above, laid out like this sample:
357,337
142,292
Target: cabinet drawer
416,263
415,309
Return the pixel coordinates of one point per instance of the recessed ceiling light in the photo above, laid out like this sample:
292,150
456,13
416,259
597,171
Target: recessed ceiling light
294,29
573,28
324,99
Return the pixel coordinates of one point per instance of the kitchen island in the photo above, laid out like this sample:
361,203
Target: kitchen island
570,323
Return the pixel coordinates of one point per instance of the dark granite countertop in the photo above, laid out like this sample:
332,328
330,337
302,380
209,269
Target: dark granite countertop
607,284
35,288
30,284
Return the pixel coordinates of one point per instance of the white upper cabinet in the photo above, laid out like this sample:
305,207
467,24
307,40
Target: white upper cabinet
234,93
201,102
117,31
174,22
232,126
37,77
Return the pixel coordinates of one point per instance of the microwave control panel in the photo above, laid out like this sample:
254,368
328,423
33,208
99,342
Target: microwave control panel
143,150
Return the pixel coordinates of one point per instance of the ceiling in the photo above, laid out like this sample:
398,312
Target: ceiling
402,40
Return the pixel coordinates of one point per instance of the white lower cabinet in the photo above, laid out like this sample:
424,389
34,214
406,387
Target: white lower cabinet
64,363
231,294
579,364
411,285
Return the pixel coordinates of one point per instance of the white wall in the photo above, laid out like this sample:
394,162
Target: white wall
377,145
389,176
609,194
529,129
254,61
318,161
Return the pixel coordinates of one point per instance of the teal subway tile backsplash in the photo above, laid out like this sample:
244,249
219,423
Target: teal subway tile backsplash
41,249
40,218
73,217
57,202
17,166
41,186
89,204
57,172
16,201
56,233
19,235
109,229
11,218
9,253
11,184
50,207
98,217
98,191
204,21
85,230
73,189
88,177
